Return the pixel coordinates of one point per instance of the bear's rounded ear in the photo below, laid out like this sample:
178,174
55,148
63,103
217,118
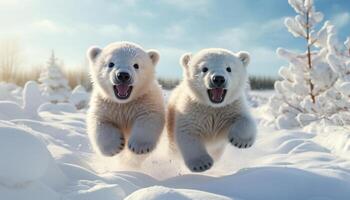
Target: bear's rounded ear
185,59
93,52
154,55
244,57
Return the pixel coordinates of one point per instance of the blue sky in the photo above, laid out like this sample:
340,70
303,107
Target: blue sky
173,27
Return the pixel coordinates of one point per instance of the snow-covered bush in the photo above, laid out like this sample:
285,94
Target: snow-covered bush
53,83
31,100
10,92
339,59
79,97
311,85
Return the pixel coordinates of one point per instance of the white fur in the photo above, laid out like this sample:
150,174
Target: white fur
137,121
198,127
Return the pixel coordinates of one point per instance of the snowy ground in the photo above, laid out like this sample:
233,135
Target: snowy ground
47,156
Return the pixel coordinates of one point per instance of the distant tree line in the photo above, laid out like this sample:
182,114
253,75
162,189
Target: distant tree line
256,82
13,70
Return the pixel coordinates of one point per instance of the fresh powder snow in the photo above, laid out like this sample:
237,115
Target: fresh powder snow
49,157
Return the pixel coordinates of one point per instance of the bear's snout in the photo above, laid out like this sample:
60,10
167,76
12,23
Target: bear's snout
218,81
123,77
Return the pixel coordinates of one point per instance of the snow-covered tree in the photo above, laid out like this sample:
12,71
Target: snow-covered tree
53,83
308,90
339,59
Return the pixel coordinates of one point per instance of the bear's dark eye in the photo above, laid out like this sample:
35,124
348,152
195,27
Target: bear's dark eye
228,69
204,69
110,65
136,66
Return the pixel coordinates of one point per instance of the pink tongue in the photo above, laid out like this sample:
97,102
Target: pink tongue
122,90
217,94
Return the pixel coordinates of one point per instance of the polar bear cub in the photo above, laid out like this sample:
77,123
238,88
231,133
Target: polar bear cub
208,108
126,105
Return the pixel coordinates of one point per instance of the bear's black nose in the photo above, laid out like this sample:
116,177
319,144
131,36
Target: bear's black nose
123,77
218,81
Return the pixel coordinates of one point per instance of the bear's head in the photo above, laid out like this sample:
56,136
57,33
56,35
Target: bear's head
122,71
215,76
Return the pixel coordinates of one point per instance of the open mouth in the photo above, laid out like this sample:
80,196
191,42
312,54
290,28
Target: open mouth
122,91
217,95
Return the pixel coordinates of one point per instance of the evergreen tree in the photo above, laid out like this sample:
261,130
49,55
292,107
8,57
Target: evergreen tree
307,92
53,83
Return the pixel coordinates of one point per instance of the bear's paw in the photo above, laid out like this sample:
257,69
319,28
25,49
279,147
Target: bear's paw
200,163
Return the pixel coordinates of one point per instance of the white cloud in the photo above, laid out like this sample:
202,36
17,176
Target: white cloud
198,5
129,2
235,39
116,30
8,3
37,28
105,30
132,29
46,25
109,29
127,7
146,13
273,25
340,20
40,35
263,58
174,32
169,64
246,35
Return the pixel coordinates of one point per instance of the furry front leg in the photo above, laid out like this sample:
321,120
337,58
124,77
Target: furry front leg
193,152
242,133
145,133
106,138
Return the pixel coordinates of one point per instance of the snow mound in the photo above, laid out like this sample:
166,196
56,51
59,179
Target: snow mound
91,190
79,97
164,193
23,157
50,157
32,98
57,108
36,190
11,110
7,91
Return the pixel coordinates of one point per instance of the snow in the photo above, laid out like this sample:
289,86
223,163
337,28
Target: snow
164,193
32,98
11,110
79,97
49,157
57,107
345,88
24,164
9,91
347,42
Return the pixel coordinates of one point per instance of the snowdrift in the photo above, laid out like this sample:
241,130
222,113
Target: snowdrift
49,157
